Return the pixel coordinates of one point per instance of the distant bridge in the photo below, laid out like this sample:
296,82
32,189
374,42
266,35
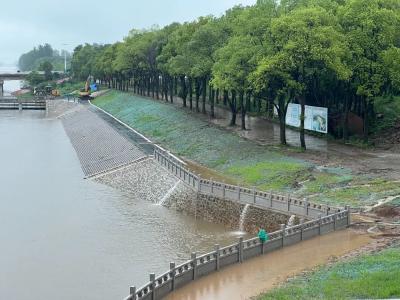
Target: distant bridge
15,75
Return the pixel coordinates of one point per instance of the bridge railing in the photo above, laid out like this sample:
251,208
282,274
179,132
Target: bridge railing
284,203
198,266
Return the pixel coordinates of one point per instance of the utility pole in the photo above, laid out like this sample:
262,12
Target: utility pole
65,59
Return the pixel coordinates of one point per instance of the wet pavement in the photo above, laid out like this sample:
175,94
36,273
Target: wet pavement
261,274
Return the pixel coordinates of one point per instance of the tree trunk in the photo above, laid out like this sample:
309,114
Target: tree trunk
242,110
190,93
282,120
345,121
212,95
217,96
225,97
302,119
233,107
171,92
197,94
183,90
204,95
366,123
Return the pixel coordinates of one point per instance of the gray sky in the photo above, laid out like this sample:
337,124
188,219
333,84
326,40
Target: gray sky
27,23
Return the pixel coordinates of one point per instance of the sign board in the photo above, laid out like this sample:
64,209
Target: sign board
316,118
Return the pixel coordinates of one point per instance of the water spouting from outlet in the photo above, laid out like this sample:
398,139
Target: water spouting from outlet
291,220
243,217
168,194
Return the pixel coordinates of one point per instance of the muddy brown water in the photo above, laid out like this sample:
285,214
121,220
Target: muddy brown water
262,273
63,237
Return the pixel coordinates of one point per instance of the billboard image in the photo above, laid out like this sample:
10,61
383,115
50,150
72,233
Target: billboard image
316,118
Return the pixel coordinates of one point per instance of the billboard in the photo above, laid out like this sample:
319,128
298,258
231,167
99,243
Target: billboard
316,118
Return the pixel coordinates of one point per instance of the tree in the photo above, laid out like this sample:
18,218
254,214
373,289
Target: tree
371,28
308,40
234,63
47,67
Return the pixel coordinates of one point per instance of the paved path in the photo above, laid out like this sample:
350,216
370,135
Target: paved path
98,145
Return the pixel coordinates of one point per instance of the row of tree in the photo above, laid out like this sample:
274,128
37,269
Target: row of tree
339,54
42,55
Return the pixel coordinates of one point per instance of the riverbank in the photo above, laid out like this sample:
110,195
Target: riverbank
252,277
372,272
245,162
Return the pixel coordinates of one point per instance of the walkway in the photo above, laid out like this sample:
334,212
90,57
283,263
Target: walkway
263,273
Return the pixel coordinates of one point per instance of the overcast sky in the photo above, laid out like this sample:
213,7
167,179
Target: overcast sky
26,23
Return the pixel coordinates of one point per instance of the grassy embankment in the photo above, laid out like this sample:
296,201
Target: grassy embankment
374,276
239,160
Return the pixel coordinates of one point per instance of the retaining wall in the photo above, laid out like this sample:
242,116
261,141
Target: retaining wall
268,200
226,212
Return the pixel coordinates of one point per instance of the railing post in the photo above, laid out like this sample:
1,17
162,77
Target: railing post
288,202
334,222
254,195
217,257
132,292
172,272
212,186
347,207
283,229
223,190
240,248
238,191
194,264
270,199
198,184
306,206
319,223
153,285
301,228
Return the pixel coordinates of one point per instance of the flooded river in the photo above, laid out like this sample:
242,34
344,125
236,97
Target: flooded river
63,237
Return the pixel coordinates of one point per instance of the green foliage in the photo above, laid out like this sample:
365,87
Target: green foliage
34,78
375,276
47,67
339,54
32,60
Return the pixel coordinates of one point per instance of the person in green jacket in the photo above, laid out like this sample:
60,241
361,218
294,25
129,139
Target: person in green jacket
263,235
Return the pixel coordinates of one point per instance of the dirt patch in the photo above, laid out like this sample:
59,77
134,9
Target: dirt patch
387,211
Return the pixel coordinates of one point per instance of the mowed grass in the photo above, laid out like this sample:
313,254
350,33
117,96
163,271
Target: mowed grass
238,160
374,276
186,135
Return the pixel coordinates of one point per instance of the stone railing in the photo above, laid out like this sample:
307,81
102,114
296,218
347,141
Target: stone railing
198,266
268,200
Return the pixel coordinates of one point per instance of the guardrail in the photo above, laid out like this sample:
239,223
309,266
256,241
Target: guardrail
10,102
198,266
268,200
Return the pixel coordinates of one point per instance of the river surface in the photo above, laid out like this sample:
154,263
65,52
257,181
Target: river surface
10,85
63,237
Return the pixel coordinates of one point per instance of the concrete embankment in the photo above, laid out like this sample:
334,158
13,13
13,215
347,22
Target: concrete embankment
99,147
120,158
